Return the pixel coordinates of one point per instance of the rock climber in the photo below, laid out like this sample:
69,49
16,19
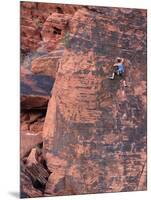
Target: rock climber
119,69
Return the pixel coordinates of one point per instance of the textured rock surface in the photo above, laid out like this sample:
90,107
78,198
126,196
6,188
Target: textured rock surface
45,64
31,130
95,129
35,23
94,134
35,89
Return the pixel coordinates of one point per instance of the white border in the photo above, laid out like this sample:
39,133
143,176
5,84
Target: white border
9,98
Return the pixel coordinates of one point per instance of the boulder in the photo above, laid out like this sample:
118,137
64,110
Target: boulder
35,89
45,65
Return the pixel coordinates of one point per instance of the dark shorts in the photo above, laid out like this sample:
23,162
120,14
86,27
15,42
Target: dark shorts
119,72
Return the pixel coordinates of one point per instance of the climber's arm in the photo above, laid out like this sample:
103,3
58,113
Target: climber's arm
115,64
122,60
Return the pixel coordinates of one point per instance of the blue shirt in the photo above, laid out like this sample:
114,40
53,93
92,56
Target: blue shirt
121,68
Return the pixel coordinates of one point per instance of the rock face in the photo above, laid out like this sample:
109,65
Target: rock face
44,64
39,64
95,128
36,21
94,134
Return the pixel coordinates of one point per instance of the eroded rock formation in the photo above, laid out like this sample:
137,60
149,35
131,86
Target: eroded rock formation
94,133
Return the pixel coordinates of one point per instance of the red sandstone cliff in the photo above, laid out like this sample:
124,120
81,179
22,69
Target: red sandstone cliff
94,133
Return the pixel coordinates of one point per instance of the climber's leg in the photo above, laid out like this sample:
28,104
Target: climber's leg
118,72
112,77
124,83
123,79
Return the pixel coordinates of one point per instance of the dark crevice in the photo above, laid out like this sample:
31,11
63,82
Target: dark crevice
42,112
56,31
59,10
39,172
